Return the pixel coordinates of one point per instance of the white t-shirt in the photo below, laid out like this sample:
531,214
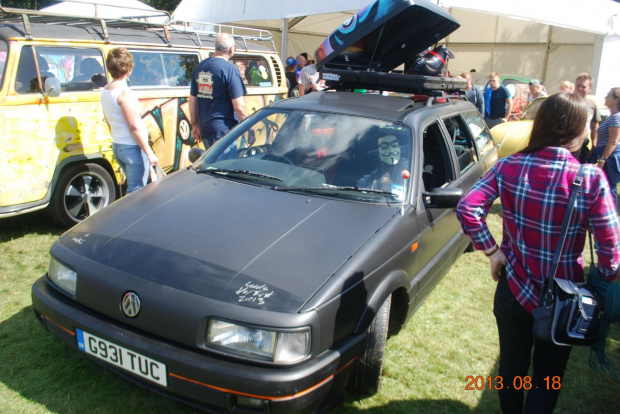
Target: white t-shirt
308,76
114,115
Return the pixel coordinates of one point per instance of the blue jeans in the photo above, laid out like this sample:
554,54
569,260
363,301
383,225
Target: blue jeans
516,341
134,163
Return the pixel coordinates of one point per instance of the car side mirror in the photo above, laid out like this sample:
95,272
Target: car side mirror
52,87
194,154
442,197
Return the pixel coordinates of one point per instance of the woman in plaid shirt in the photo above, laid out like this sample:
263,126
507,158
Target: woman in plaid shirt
534,186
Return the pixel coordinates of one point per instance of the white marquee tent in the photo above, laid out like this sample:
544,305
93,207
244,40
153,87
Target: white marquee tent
107,8
551,39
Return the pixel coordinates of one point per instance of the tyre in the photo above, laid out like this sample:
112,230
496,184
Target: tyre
81,191
366,378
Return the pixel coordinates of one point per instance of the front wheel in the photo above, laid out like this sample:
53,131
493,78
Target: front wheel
81,191
366,378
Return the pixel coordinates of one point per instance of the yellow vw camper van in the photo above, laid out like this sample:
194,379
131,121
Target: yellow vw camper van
55,147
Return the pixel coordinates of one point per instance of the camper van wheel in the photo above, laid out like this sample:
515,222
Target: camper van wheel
366,378
81,191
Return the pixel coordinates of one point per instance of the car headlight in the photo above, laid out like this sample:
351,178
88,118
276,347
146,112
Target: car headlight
279,347
62,276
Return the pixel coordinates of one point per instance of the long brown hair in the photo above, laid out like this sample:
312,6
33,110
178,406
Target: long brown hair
560,122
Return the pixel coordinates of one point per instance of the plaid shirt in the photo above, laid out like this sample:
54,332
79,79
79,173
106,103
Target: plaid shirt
534,191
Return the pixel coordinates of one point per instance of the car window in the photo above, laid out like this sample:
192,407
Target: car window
479,130
462,142
3,54
343,156
162,68
255,70
77,69
437,167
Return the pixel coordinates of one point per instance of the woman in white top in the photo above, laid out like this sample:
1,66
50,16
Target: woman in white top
121,109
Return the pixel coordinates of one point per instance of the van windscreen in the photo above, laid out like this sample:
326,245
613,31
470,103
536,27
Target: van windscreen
4,49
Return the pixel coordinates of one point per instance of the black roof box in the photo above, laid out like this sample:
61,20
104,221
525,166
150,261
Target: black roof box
385,35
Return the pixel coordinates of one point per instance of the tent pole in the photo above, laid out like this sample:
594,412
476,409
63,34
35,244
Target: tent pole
547,50
284,48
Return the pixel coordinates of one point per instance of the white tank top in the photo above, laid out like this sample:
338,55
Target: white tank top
114,115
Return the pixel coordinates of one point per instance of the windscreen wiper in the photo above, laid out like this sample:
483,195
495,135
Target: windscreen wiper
329,188
224,171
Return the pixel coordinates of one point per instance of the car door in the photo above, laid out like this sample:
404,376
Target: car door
439,230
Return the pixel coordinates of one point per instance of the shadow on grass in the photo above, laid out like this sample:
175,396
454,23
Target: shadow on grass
583,390
44,371
31,223
408,407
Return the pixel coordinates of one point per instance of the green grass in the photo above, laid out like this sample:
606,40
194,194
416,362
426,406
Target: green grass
452,335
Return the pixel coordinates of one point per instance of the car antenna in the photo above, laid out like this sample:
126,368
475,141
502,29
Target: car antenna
405,174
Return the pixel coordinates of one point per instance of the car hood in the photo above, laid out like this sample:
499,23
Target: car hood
512,137
227,240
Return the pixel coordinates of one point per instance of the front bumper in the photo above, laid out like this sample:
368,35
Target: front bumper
211,382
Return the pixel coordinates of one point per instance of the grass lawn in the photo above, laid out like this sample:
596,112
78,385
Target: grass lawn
452,336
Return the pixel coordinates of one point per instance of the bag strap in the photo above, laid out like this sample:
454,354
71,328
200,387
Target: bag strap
591,247
572,201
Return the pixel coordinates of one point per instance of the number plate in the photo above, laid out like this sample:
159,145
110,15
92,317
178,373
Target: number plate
121,357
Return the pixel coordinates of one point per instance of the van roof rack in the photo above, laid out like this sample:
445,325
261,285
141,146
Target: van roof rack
437,86
213,29
27,16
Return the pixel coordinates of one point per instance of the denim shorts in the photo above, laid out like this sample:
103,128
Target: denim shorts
134,163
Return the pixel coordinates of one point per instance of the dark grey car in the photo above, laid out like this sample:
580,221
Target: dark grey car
267,277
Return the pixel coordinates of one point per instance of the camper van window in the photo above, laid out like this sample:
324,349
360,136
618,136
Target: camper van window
255,70
3,53
162,68
76,69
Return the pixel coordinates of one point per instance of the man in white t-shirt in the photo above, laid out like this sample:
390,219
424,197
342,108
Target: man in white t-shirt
583,86
309,80
536,90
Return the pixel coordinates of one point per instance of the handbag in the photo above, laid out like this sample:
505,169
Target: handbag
568,313
156,173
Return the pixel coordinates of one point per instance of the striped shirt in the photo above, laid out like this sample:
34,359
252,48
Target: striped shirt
603,132
534,191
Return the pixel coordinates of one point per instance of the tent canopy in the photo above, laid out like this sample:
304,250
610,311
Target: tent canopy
552,39
108,9
593,16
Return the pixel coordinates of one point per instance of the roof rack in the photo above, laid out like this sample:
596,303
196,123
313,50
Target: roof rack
213,29
435,86
27,16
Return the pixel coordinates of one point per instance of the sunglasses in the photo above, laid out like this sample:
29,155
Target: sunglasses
386,145
317,132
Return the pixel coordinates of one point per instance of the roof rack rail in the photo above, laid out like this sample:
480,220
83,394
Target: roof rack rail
27,16
213,29
436,86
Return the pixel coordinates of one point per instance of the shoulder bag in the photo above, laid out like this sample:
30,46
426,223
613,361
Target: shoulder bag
568,313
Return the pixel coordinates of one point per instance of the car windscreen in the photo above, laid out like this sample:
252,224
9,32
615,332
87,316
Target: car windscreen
326,154
532,110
